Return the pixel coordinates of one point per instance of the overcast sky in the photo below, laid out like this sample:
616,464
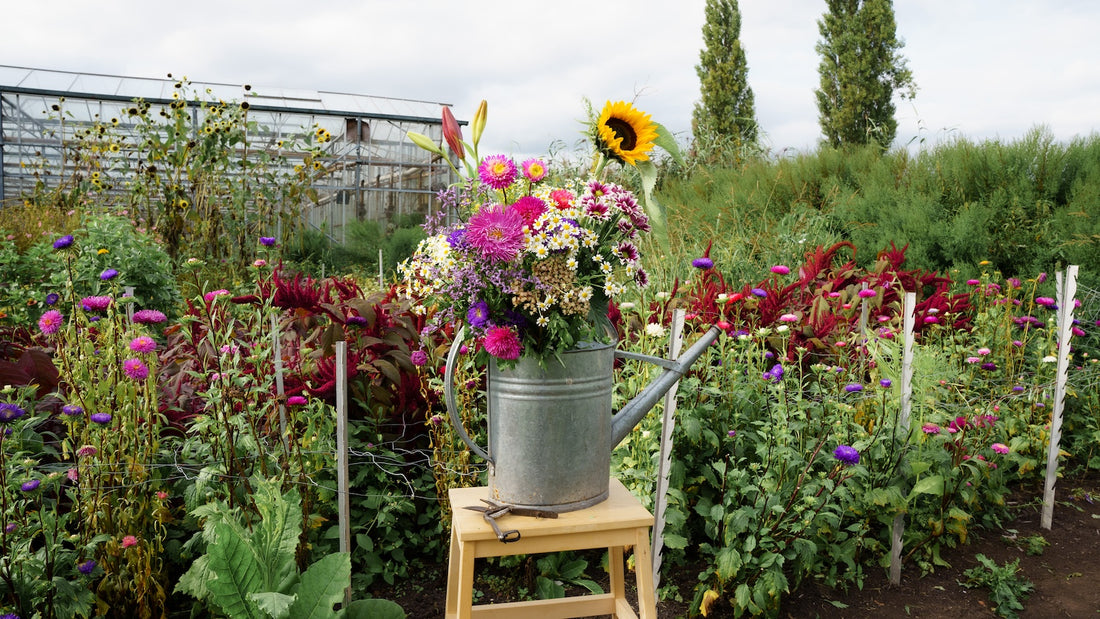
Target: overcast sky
984,68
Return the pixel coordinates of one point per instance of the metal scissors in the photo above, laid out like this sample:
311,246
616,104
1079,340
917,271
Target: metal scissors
494,509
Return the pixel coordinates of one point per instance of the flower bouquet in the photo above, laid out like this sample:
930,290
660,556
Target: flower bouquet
527,264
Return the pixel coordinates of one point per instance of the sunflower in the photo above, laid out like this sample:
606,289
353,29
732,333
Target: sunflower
625,133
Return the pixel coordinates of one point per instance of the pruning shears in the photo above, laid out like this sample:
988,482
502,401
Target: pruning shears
494,509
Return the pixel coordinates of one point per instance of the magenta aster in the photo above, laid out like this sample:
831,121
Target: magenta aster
149,316
95,304
50,322
497,171
502,343
534,170
496,232
135,369
143,343
530,208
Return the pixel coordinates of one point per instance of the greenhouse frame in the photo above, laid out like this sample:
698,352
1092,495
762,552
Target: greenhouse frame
373,171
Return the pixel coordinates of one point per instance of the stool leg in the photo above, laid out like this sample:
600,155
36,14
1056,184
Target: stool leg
615,572
453,574
643,568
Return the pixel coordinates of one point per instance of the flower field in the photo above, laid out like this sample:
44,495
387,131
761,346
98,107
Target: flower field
169,418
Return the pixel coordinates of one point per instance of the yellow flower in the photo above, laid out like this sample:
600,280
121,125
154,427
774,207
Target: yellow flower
625,133
103,250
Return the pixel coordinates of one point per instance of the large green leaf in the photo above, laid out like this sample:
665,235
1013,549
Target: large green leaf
375,609
236,573
322,587
193,582
667,141
276,605
275,537
928,485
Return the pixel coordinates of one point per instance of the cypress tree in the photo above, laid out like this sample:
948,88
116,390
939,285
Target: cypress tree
726,109
861,69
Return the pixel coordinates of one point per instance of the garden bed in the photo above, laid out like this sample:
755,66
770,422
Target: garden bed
1064,574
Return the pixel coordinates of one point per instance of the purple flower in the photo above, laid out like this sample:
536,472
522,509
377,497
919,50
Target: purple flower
930,428
10,528
72,410
357,321
101,418
847,455
866,293
478,314
296,400
267,241
149,316
108,274
63,242
731,433
10,412
760,292
31,485
95,304
418,358
702,263
775,374
853,387
989,366
52,298
1000,448
885,383
86,567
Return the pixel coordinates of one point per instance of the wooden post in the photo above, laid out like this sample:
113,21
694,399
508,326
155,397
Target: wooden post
276,346
1067,289
344,506
129,292
909,309
380,280
664,462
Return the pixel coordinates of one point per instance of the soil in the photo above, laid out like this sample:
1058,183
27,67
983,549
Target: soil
1066,575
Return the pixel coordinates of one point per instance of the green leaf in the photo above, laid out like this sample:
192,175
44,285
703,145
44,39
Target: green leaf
193,582
274,604
275,537
236,573
591,585
546,589
674,541
648,174
573,569
374,609
322,587
928,485
728,562
667,142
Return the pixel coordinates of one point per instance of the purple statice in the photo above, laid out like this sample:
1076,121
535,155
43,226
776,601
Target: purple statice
847,455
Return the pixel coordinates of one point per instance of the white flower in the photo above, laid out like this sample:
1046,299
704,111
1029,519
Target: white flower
1050,359
662,295
626,306
782,328
655,330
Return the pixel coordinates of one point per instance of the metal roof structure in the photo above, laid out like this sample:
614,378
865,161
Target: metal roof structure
376,172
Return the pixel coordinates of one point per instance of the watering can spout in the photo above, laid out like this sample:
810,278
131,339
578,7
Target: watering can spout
631,414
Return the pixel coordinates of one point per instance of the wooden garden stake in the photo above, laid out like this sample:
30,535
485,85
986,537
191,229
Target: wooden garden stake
129,292
344,507
380,282
909,310
664,462
279,389
1067,289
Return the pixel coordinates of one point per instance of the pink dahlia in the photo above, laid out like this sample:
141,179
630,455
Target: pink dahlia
502,343
496,232
497,171
534,170
50,322
135,369
530,208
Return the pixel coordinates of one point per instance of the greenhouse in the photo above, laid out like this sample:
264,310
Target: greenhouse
368,169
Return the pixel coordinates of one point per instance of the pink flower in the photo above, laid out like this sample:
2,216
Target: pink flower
534,170
1044,301
781,269
972,282
497,171
497,232
128,541
213,294
162,495
1000,448
50,322
530,208
502,343
866,293
930,428
143,343
562,198
149,316
135,369
296,400
95,304
788,318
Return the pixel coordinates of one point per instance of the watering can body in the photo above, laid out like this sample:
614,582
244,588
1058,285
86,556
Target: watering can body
551,427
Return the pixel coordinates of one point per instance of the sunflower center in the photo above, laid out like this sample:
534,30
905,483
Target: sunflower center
625,131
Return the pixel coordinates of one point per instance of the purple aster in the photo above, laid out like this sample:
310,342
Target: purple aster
86,567
759,292
72,410
108,274
63,242
267,241
101,418
497,171
31,485
853,387
885,383
149,316
846,455
989,366
52,298
10,412
496,232
478,315
357,321
703,263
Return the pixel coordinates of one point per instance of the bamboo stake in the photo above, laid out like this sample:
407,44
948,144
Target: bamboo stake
344,507
1066,290
664,462
909,309
279,389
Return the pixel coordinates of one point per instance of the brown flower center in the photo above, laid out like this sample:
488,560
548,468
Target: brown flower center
625,131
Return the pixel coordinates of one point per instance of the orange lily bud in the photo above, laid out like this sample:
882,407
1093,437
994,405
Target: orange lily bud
453,133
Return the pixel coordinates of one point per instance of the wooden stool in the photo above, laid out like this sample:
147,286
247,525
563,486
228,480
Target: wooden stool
616,524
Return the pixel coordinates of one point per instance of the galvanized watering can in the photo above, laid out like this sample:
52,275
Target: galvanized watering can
551,429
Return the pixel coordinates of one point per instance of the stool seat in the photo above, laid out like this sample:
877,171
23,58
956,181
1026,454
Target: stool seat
618,523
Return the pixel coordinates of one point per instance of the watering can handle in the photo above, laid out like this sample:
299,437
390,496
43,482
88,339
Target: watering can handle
449,397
